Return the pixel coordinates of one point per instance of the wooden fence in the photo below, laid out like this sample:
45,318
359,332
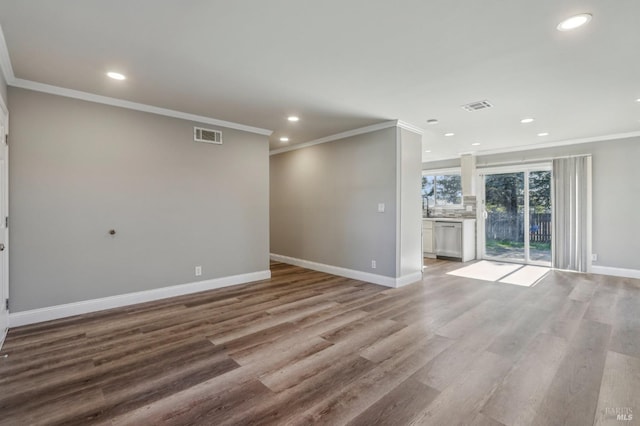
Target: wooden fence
503,226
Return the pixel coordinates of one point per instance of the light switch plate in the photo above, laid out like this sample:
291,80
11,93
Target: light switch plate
380,207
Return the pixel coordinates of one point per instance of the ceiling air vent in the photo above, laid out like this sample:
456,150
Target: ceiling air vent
477,106
207,135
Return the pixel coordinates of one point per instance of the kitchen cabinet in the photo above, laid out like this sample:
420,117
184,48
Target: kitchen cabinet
428,242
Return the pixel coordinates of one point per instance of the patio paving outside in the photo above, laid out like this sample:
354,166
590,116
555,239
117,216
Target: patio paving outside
515,251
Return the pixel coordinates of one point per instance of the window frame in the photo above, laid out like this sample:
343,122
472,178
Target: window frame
457,171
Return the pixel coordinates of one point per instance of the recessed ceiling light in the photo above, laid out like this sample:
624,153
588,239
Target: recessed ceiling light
432,121
475,143
638,100
543,134
428,151
449,134
293,118
527,120
574,22
116,75
284,139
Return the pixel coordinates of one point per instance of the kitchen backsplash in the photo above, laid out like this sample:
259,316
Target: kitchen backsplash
468,200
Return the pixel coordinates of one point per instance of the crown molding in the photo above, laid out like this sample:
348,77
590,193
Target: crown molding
546,145
565,142
337,136
7,69
410,127
90,97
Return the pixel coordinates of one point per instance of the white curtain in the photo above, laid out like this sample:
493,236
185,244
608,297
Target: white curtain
572,213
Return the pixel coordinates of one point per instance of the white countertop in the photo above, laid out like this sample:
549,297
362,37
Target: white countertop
449,219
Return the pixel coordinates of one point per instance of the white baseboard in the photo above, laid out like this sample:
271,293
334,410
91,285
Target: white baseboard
349,273
616,272
3,335
17,319
408,279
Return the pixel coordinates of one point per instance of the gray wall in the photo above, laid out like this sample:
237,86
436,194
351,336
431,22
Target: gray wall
410,256
79,169
616,194
324,202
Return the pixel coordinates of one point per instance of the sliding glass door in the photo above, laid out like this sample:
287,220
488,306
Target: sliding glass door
504,216
516,211
539,225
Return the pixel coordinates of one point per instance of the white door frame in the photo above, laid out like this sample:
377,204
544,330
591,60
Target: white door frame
480,190
4,212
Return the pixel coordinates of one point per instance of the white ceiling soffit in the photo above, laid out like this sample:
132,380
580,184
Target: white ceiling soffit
259,64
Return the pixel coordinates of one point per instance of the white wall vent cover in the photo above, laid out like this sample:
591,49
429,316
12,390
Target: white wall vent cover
207,135
476,106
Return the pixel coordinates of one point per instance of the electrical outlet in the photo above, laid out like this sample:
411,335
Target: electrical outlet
594,257
198,271
373,264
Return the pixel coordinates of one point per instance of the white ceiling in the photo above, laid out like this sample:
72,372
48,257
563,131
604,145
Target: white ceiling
346,64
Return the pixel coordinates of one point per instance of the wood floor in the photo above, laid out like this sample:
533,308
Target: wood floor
307,347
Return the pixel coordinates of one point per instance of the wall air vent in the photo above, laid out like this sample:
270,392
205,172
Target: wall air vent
477,106
207,135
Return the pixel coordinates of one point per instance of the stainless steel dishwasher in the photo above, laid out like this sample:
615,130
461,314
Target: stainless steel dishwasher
449,240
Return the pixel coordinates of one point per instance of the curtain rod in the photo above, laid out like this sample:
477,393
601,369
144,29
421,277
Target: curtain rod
533,160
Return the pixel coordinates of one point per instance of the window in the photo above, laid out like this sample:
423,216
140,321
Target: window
441,190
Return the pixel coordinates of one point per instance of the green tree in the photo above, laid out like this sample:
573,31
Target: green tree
428,191
540,191
505,192
441,190
449,188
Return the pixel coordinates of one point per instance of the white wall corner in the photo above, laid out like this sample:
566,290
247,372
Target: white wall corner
5,60
408,279
589,242
409,251
17,319
398,201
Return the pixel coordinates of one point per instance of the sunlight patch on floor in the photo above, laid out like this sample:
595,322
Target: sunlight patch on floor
507,273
